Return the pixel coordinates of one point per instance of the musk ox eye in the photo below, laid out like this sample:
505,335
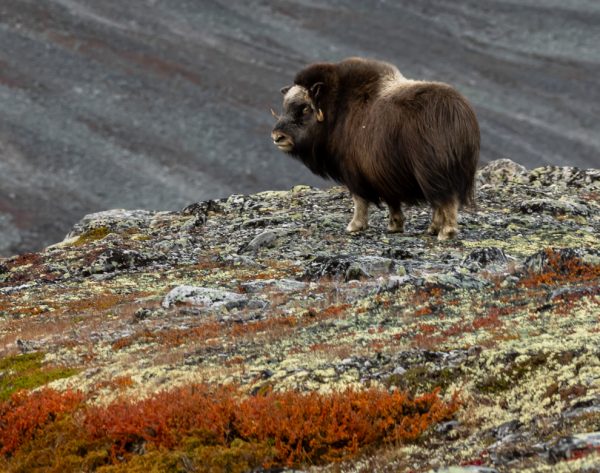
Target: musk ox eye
306,110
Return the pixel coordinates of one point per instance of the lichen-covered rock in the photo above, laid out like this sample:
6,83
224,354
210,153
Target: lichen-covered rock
348,267
268,293
501,172
203,296
555,207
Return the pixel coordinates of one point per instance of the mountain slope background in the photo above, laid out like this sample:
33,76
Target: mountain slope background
159,103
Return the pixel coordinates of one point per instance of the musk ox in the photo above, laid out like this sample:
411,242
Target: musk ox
388,139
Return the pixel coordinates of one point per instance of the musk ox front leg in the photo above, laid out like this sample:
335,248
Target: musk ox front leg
360,219
443,222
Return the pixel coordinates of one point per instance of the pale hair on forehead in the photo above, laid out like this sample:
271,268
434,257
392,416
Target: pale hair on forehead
297,93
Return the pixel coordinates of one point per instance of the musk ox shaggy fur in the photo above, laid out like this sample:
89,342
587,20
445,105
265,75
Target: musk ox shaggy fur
388,139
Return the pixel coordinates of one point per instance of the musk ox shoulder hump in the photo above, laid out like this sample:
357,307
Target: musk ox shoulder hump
392,82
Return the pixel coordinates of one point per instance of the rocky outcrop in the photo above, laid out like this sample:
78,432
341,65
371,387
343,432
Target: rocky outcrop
268,293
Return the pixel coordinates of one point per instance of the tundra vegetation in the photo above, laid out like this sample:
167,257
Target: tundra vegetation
252,333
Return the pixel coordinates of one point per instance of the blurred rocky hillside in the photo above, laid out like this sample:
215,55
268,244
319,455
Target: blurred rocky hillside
158,103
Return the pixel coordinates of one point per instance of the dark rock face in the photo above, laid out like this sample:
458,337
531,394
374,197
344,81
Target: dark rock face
268,292
155,104
483,257
115,259
347,267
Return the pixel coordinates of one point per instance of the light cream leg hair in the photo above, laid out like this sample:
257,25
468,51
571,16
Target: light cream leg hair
396,223
436,221
360,219
448,228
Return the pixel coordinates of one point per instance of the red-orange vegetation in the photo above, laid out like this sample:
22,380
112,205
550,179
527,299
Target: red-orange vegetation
378,345
164,418
302,427
560,270
212,329
426,310
116,383
208,264
25,413
458,328
313,427
125,342
25,259
272,324
427,328
428,342
334,310
101,302
282,323
178,336
488,321
236,360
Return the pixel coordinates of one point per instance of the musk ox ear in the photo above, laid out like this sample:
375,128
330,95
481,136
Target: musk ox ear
284,90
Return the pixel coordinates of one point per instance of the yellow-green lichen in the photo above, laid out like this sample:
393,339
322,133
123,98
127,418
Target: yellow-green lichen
93,234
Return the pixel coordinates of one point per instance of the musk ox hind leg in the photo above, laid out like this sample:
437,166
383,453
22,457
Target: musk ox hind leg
443,222
396,222
436,221
360,219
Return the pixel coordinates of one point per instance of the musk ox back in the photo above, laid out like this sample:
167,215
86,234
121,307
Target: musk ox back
387,138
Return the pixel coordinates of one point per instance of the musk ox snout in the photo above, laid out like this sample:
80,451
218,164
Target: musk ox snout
282,140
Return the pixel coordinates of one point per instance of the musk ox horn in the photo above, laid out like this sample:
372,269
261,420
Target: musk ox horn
315,90
320,116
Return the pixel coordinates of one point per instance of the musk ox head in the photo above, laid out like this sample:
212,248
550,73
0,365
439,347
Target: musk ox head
301,122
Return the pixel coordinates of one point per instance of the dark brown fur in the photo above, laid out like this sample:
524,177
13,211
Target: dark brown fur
417,142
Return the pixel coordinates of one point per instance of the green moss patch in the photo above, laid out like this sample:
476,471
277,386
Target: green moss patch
27,372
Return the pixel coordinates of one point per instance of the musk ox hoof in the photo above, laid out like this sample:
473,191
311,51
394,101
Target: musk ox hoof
395,228
447,233
433,230
356,226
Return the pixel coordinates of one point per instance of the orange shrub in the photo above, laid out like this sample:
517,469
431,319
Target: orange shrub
302,427
213,423
164,418
24,413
